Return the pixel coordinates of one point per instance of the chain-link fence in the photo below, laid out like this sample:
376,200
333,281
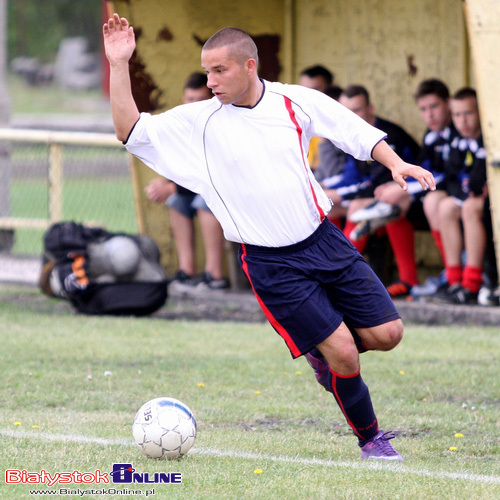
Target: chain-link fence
45,181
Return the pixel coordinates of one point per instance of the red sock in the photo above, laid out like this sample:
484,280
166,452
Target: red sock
402,238
359,244
439,243
454,274
472,278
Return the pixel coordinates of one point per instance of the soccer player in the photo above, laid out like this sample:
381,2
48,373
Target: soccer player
433,101
245,152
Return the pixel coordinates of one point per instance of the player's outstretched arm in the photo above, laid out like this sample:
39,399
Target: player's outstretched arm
401,170
119,45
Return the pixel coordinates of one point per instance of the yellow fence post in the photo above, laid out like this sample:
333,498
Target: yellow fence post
483,23
55,183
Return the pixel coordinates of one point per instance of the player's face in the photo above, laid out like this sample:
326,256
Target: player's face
358,105
195,95
315,82
435,112
465,117
228,79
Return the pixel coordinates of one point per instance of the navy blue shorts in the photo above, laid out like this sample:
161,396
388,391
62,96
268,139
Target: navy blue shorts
307,289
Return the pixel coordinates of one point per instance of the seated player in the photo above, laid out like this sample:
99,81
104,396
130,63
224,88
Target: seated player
463,207
359,185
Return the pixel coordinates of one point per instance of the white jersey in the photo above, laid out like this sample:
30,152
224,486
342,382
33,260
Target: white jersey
250,164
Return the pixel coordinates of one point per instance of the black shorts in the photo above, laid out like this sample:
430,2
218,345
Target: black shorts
307,289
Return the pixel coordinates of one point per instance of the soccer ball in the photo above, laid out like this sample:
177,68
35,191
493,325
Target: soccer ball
164,428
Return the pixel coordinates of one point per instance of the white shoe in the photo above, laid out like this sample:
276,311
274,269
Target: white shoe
376,210
368,227
487,297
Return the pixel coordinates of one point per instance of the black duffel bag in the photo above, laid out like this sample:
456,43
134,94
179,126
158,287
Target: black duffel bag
101,272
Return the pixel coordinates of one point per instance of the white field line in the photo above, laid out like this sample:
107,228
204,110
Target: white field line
363,465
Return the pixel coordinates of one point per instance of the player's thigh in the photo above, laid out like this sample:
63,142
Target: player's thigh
297,306
361,297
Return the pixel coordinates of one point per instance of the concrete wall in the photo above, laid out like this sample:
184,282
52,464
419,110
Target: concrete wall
387,45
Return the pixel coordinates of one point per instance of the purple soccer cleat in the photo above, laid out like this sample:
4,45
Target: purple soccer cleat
379,448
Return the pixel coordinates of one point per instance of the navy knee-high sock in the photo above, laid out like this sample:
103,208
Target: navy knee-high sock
353,397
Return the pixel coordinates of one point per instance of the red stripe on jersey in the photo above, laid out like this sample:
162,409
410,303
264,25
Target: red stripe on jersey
274,322
291,112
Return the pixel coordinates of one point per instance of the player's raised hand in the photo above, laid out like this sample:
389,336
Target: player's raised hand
119,39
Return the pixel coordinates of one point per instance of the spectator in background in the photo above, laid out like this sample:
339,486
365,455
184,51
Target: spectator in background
433,101
360,182
432,98
318,78
183,206
464,203
330,167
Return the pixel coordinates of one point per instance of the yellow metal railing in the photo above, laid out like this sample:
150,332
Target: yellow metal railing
56,141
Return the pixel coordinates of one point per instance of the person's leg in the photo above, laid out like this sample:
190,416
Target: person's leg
337,214
181,223
431,202
490,261
451,236
355,205
402,238
384,337
351,392
392,193
213,241
475,242
305,291
183,232
340,349
348,388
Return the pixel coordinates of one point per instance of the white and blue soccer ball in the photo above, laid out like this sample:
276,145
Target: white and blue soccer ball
164,428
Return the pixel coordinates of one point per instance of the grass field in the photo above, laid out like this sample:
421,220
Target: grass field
71,385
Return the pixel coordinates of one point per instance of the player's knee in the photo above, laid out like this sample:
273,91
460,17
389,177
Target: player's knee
347,353
393,334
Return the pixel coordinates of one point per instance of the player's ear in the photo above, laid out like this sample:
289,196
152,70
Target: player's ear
251,66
